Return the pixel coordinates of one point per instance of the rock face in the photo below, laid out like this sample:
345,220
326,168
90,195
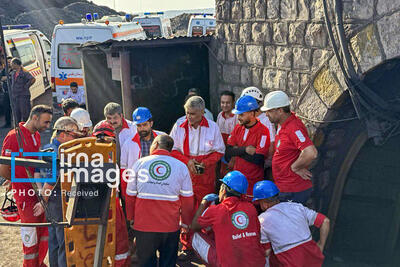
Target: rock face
45,14
179,24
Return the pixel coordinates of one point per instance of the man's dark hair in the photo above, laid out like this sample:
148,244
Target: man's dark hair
230,192
164,142
39,110
73,84
286,109
16,61
69,103
229,93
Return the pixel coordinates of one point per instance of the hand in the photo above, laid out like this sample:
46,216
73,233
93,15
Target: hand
7,185
251,150
38,209
191,166
211,197
185,229
321,246
131,224
303,173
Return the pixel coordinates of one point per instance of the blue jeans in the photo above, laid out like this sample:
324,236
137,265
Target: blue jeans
299,197
57,246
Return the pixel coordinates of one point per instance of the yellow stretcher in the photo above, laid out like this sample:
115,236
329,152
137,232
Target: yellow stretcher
80,240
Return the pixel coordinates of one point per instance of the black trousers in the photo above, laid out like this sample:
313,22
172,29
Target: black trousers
7,108
22,108
147,244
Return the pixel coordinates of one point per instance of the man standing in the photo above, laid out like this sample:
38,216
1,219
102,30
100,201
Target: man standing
249,142
6,98
34,239
294,151
234,223
124,129
139,146
21,81
66,129
226,121
197,143
159,195
285,227
76,94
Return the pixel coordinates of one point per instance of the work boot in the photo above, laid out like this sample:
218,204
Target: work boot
186,255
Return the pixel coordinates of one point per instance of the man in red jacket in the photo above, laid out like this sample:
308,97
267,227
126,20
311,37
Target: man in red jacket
235,225
34,239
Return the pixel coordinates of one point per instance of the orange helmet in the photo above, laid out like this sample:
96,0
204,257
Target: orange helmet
9,213
103,128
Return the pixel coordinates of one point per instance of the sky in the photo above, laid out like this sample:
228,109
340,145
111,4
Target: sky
134,6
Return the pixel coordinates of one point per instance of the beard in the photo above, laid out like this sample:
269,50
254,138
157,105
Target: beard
244,122
143,134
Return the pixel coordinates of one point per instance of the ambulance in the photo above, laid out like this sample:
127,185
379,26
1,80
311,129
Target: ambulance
66,58
201,24
154,25
33,48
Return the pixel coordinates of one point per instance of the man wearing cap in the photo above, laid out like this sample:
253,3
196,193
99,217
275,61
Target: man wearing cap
234,223
285,228
139,146
77,94
65,129
249,141
294,151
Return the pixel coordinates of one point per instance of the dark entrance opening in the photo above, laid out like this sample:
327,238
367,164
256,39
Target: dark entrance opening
162,76
366,229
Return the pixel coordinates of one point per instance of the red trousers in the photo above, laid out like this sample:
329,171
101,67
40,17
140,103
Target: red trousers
34,239
122,258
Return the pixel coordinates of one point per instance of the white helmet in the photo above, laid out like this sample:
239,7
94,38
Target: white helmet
254,92
275,99
82,117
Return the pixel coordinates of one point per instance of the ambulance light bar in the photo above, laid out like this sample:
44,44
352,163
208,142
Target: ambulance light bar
17,27
89,17
202,14
95,16
153,13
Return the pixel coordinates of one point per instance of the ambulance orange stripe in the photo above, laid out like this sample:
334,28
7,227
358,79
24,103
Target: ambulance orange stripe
20,39
120,34
67,82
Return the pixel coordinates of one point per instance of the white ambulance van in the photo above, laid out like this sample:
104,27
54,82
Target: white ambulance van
65,57
33,48
154,25
201,24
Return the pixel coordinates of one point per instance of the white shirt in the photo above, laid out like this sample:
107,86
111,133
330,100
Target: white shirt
79,96
286,225
264,120
226,125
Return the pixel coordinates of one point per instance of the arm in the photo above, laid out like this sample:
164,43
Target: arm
212,158
46,190
195,224
323,234
5,171
306,157
187,205
257,159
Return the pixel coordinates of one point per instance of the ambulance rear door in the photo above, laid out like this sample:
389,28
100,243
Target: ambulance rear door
40,53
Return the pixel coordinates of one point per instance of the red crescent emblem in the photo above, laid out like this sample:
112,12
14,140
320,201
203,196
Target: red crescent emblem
157,169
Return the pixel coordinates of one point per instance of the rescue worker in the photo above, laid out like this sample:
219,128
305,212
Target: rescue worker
68,105
139,146
197,143
34,239
258,95
294,151
226,121
104,132
235,226
66,129
285,229
124,129
21,81
76,94
159,195
249,141
84,122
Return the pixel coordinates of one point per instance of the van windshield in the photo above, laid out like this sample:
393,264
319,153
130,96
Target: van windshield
152,31
68,56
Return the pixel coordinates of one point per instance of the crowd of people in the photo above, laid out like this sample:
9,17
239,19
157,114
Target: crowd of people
231,192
